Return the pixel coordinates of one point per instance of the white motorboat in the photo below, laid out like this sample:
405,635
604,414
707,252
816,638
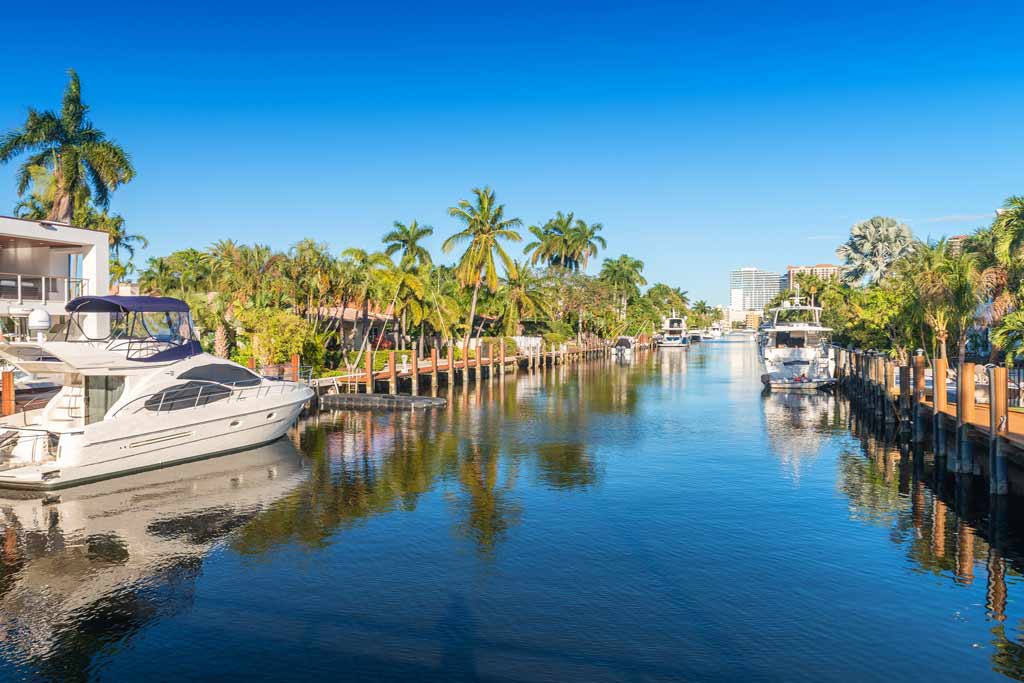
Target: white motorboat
623,347
794,346
136,393
713,332
673,332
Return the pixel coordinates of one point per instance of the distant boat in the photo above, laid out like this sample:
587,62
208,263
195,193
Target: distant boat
673,332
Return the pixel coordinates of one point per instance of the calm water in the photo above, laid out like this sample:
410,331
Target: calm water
660,520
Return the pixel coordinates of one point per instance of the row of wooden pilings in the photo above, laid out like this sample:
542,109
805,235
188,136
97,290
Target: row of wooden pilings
494,365
899,395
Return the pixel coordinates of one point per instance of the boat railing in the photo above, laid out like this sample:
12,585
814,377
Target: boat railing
206,392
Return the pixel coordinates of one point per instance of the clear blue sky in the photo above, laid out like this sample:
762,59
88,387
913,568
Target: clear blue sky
704,138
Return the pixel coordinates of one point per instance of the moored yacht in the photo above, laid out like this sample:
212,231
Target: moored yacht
713,332
794,347
673,332
136,393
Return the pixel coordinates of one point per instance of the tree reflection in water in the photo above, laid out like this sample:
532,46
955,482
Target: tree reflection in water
946,523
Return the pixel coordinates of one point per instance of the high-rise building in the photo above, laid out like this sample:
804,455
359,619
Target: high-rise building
750,289
955,244
826,271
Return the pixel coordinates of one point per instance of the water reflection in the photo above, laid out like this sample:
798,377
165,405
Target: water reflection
89,566
798,425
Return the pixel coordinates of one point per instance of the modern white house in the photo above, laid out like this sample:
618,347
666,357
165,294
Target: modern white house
43,265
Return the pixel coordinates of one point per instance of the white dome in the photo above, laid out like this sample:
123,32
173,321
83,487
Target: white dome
39,320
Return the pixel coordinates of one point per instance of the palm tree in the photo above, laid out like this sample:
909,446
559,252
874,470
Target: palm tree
120,239
873,247
406,239
485,226
1008,229
158,277
552,243
584,242
520,297
363,266
83,162
624,275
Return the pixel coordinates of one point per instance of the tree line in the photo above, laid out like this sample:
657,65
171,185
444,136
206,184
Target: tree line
250,301
899,293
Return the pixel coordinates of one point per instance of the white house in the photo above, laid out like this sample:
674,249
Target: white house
43,265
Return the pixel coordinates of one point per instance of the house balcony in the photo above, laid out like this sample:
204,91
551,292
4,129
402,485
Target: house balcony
22,289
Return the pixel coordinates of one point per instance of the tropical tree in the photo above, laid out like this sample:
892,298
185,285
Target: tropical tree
484,229
1008,230
82,161
363,268
520,297
406,239
873,247
584,242
625,275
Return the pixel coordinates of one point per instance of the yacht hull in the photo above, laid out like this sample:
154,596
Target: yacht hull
183,441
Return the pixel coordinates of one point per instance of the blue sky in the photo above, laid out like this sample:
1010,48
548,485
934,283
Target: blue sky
704,138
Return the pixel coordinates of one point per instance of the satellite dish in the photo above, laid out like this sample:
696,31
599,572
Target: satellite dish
39,320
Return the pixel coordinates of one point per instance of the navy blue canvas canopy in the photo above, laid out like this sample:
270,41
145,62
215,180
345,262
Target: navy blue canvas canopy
126,304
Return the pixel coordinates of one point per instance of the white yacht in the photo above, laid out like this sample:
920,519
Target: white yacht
136,393
673,332
713,332
794,347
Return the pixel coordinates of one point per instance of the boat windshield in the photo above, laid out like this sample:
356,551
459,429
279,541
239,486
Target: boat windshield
144,331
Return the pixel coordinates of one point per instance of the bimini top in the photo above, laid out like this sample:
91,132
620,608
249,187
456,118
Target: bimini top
126,304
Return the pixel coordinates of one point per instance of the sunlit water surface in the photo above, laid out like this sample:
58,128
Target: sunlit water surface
658,520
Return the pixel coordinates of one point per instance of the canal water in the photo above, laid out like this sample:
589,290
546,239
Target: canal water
654,520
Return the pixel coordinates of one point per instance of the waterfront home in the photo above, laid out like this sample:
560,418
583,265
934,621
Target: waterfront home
43,265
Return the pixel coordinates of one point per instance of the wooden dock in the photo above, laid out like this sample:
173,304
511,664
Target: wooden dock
404,372
965,414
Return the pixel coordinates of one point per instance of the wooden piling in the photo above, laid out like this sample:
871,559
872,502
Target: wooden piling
451,364
433,370
501,359
392,374
295,367
964,412
414,373
369,372
999,410
490,362
920,425
7,389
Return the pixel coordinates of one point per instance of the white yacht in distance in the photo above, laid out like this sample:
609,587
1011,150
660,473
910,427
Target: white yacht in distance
136,393
794,347
673,332
713,332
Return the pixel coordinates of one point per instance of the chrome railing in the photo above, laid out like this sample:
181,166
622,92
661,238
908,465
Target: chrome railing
22,287
182,399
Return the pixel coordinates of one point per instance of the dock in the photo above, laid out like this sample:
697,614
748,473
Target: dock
965,413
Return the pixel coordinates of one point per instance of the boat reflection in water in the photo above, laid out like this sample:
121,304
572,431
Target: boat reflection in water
798,426
96,562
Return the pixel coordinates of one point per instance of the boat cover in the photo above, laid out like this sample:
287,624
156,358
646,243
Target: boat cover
126,304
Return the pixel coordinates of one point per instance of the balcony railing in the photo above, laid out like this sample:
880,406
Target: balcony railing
41,288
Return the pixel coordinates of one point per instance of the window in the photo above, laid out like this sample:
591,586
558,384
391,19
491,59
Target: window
187,395
223,373
101,392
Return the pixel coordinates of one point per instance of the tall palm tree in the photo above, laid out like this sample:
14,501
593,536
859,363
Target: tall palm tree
873,247
584,242
406,239
484,228
81,159
624,274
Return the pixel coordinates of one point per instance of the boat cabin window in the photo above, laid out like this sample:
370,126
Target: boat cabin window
675,322
222,373
187,395
101,392
786,340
